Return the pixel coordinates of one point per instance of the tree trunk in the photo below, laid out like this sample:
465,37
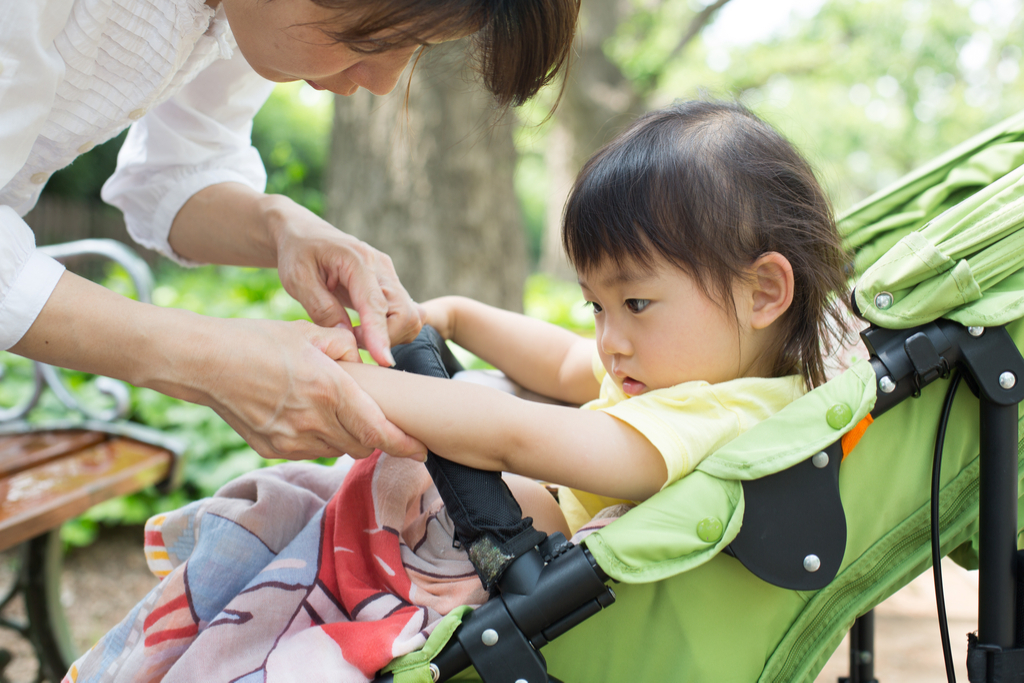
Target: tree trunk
432,186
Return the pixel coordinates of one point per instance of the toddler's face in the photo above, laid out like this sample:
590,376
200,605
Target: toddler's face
656,329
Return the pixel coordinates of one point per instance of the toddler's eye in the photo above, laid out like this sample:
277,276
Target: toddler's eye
594,305
637,305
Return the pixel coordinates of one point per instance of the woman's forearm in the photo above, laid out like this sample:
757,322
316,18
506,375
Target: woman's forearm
229,224
86,327
276,383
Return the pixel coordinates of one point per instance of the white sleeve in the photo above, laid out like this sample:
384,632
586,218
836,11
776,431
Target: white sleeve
30,69
27,278
199,137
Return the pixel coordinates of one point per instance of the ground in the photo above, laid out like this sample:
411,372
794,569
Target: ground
102,582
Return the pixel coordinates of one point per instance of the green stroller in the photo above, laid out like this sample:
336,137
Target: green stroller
755,566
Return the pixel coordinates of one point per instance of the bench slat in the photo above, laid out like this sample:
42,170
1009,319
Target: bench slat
23,451
41,498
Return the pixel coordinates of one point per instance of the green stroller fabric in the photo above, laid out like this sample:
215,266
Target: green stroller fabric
942,242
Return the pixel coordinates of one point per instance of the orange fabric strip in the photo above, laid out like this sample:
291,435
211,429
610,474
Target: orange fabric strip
852,437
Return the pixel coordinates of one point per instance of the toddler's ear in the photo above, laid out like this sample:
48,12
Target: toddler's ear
772,289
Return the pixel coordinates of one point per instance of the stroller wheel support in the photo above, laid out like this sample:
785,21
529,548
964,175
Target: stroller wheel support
994,370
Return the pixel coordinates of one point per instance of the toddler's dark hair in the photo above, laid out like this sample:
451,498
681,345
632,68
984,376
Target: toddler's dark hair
710,187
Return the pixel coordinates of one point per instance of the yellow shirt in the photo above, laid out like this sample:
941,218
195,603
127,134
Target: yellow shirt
686,423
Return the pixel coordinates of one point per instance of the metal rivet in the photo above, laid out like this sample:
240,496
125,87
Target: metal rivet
522,680
435,673
883,300
489,637
865,657
820,460
1007,380
887,385
975,331
812,563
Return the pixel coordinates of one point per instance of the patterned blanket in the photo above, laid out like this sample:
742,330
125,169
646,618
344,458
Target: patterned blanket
293,573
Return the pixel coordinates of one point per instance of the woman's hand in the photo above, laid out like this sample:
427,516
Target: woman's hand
327,270
278,385
324,269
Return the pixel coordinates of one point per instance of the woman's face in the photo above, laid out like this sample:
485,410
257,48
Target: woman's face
284,40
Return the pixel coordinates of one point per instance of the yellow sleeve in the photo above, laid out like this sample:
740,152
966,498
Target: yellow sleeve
690,421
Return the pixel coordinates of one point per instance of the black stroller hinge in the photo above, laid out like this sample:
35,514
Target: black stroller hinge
538,601
928,364
905,361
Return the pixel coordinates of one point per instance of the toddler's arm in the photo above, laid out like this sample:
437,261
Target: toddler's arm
537,355
488,429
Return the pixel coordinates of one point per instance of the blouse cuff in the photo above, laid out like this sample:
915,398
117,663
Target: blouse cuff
153,231
26,298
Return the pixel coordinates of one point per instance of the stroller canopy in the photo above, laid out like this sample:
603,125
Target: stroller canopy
930,245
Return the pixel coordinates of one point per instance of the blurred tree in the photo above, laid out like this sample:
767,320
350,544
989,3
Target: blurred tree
428,179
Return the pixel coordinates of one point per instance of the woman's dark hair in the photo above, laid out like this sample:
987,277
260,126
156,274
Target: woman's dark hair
519,45
710,187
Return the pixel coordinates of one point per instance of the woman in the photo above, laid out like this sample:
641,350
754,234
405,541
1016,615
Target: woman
189,76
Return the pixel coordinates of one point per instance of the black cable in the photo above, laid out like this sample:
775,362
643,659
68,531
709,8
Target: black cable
940,600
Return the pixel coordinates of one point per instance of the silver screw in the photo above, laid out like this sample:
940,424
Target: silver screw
820,460
883,300
489,637
887,385
975,331
435,673
1007,380
812,563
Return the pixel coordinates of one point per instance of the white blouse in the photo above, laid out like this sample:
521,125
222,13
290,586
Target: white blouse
74,74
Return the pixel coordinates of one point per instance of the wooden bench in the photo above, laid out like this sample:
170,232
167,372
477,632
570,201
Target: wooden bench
53,472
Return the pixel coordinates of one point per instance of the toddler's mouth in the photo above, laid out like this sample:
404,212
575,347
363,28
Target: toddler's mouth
633,387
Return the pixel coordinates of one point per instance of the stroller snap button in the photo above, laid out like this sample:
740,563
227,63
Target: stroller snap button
812,563
709,530
489,637
838,416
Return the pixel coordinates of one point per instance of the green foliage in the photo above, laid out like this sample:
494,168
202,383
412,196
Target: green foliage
869,89
292,132
558,302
